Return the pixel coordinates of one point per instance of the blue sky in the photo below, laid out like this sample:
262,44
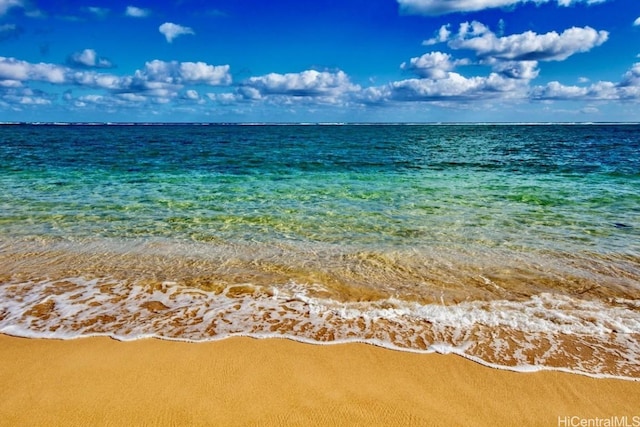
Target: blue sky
322,60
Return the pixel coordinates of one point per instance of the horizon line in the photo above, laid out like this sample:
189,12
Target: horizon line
276,123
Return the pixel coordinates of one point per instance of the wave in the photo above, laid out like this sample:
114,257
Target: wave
545,331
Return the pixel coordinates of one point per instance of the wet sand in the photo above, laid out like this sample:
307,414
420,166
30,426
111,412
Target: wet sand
243,381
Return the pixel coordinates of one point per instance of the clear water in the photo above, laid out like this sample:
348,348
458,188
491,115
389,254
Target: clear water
517,246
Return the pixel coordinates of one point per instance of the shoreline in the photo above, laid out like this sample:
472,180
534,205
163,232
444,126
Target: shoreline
436,350
246,381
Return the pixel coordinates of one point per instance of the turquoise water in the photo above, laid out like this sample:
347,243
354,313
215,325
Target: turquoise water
562,187
411,218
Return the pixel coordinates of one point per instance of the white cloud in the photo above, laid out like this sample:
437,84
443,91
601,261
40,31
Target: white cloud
93,79
637,21
442,7
514,64
203,73
89,58
324,86
157,82
627,89
433,65
503,85
513,59
19,97
136,12
171,30
453,88
192,94
185,73
5,5
441,37
95,99
248,92
523,70
457,87
30,100
16,70
527,46
224,98
632,77
556,90
131,97
439,7
10,83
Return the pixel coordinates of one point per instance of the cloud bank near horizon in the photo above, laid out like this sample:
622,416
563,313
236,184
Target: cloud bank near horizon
462,65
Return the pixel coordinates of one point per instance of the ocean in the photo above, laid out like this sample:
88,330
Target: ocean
517,246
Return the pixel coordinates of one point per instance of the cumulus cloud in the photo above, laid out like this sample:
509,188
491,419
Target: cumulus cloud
513,60
154,74
192,94
637,21
556,90
93,79
224,98
14,70
131,97
10,83
457,87
522,70
442,7
632,77
453,87
136,12
323,86
175,72
25,97
627,89
442,36
171,31
88,58
527,46
158,79
433,65
597,91
157,82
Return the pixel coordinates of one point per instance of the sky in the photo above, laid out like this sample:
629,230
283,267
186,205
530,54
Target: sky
320,61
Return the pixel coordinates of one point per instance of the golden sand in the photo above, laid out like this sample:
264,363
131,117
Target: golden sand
243,381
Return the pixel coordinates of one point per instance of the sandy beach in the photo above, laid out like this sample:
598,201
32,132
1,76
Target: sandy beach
243,381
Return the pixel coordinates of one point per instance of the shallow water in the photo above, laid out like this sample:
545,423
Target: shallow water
517,246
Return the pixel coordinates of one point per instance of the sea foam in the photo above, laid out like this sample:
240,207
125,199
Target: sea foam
545,331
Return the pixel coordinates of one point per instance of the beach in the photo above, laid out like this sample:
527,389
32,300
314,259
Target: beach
377,274
244,381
